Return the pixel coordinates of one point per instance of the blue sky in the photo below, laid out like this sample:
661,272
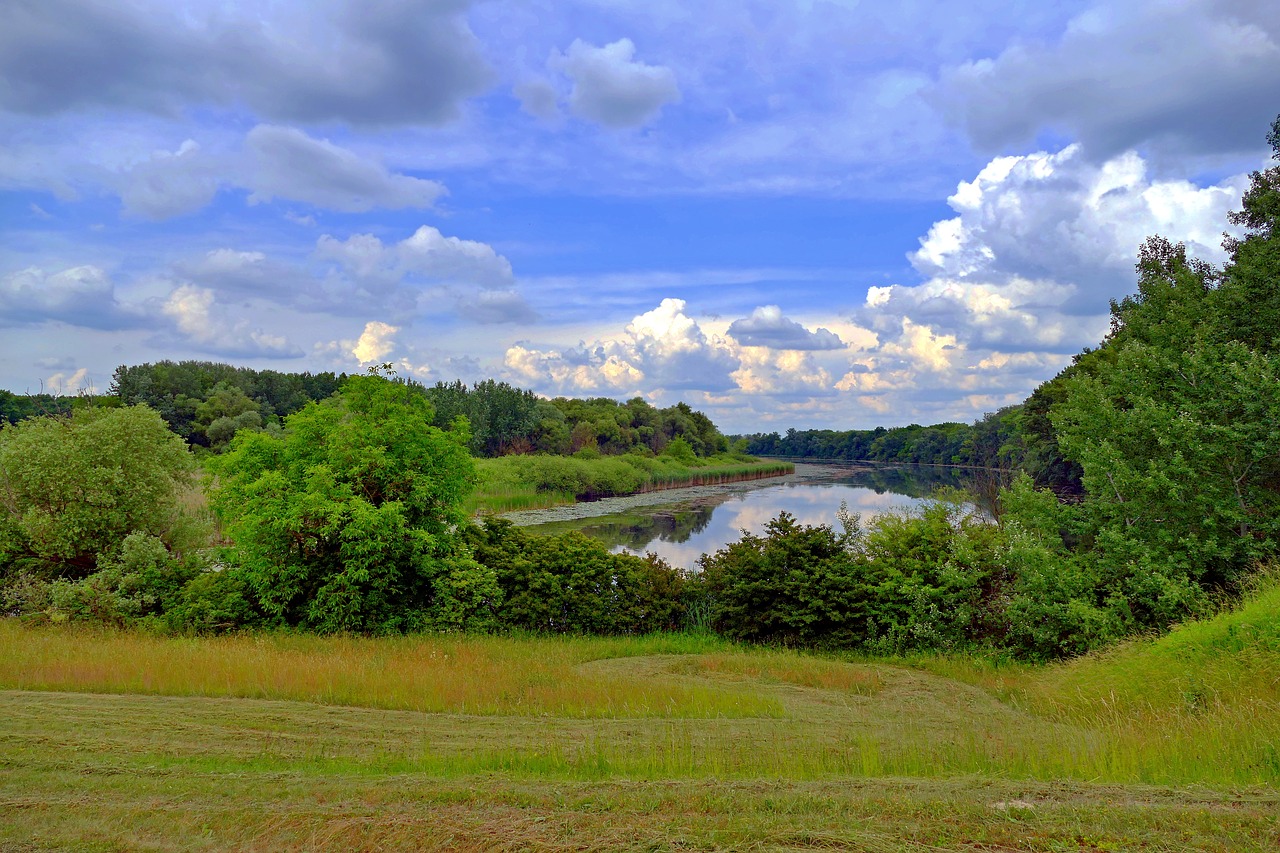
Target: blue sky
809,214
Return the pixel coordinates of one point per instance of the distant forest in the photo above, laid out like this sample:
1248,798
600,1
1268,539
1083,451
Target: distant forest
207,403
1015,438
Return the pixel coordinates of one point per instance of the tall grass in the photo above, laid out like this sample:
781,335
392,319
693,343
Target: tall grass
1202,702
1201,705
478,675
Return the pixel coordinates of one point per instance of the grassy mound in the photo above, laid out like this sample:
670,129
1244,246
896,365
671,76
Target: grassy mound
1201,702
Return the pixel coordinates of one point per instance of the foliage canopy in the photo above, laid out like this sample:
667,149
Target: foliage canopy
349,519
73,488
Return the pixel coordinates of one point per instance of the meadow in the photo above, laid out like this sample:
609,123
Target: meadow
121,740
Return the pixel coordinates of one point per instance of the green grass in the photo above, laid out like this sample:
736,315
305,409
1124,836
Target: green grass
122,741
512,483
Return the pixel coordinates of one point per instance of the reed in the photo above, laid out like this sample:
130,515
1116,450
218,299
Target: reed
511,483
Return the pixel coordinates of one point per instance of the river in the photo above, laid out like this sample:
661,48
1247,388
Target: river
682,524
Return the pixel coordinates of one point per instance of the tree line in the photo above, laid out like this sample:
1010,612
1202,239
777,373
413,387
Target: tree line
207,403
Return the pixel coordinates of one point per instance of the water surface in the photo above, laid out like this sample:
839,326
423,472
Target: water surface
681,532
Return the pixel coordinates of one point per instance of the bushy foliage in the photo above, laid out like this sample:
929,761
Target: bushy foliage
573,584
73,488
348,521
908,580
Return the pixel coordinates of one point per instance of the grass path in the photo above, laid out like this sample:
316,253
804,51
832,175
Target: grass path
804,753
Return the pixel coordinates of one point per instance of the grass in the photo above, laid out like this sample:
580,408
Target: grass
513,483
122,740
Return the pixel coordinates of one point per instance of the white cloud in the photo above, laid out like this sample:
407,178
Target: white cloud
611,87
252,274
426,254
1042,216
1039,246
766,327
62,383
376,342
664,350
284,162
195,315
452,259
782,374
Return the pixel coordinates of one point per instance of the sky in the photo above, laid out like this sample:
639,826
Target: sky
797,214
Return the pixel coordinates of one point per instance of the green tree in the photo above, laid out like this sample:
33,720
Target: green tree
73,488
349,520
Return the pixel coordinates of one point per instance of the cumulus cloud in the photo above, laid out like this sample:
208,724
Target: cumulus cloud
80,296
1021,278
782,374
1122,75
766,327
613,88
426,253
251,274
383,62
284,162
663,349
426,259
196,316
376,342
1039,246
430,253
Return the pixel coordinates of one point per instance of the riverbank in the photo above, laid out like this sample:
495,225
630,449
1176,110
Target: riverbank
802,473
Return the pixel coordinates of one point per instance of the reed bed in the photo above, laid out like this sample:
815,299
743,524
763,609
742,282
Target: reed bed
512,483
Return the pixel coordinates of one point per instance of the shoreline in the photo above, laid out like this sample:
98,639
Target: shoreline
804,472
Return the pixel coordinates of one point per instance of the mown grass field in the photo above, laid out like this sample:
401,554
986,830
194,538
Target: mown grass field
123,741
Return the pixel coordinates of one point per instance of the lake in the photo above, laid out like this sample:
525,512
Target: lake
683,529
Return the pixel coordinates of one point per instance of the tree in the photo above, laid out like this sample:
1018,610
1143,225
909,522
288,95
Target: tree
73,488
349,520
1250,298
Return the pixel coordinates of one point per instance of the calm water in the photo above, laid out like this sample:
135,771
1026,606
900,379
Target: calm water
680,533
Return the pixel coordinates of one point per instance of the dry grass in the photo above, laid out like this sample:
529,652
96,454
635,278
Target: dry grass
482,675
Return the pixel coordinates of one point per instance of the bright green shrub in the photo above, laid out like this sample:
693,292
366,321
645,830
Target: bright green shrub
348,521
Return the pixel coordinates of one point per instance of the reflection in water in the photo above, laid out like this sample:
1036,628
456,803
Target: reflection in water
680,533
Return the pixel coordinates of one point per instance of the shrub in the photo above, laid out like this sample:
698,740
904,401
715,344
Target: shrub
348,520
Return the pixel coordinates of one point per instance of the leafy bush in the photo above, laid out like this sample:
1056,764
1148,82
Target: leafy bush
348,520
923,579
572,584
